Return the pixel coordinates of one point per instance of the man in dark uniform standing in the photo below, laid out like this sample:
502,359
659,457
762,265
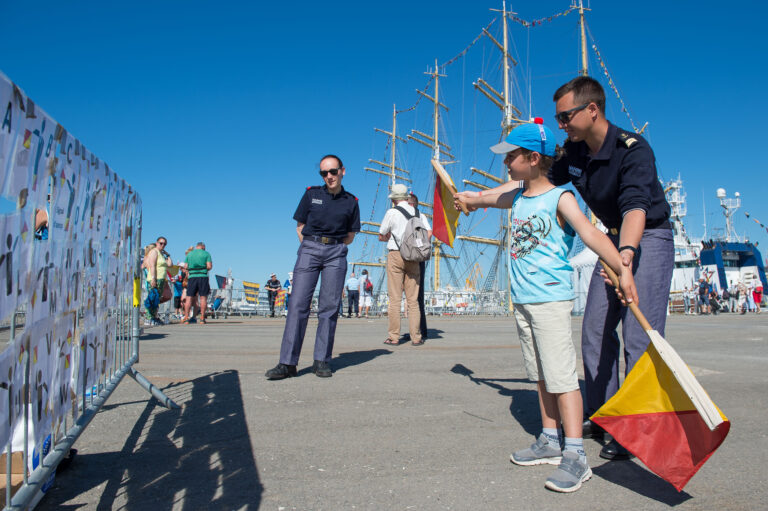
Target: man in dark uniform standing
273,287
615,173
327,219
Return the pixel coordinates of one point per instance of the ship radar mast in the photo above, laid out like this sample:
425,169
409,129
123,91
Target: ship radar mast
729,205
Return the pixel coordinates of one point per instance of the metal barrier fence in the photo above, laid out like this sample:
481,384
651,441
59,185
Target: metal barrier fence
69,317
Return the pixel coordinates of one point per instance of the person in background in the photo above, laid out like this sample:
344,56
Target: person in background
757,294
413,200
353,295
273,287
288,286
751,293
199,264
157,262
366,294
703,296
733,297
178,291
402,275
742,291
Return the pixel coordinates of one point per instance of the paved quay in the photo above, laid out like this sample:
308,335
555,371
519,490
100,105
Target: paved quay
423,428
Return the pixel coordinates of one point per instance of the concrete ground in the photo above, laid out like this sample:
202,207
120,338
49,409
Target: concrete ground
403,427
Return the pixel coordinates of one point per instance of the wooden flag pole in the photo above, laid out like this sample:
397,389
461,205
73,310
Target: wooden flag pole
446,178
696,393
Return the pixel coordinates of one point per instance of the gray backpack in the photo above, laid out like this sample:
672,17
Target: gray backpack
415,245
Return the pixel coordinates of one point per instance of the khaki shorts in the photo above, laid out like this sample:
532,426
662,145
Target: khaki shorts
365,300
546,343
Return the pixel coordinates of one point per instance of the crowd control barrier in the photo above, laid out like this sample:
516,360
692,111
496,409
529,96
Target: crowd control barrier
70,238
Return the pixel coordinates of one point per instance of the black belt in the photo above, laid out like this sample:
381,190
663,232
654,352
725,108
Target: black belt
324,240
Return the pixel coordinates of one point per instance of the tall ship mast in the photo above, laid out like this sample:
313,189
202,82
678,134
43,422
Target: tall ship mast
478,261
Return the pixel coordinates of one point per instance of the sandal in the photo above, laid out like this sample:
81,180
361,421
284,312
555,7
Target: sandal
391,342
417,343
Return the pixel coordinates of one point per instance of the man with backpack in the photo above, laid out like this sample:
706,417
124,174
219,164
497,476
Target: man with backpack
408,236
366,294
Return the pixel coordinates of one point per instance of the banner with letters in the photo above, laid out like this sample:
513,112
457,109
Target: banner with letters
69,239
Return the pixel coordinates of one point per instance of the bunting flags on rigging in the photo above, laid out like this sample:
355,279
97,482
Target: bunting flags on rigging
540,21
758,222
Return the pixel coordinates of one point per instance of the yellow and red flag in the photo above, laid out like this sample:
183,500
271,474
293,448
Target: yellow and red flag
445,218
656,420
280,298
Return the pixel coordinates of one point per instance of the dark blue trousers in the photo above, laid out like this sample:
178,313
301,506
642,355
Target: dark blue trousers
600,348
422,312
314,259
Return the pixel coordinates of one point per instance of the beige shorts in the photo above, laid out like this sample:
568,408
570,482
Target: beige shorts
546,343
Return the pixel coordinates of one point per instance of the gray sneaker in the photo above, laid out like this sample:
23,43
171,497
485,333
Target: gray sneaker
538,453
569,474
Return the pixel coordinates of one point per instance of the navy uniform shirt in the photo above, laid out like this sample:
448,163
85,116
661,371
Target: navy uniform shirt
328,215
621,177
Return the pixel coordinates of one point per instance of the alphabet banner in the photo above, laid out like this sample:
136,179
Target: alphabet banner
69,242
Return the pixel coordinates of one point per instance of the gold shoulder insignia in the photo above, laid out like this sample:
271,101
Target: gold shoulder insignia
628,142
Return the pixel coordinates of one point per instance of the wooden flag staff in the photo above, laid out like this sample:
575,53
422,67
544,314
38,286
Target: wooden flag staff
680,370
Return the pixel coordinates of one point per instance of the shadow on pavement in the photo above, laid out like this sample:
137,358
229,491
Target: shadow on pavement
199,457
632,476
524,406
152,337
350,358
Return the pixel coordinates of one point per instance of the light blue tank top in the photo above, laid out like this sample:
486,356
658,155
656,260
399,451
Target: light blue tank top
538,263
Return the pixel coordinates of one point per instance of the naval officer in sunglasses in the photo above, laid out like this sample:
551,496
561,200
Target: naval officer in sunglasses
327,219
615,173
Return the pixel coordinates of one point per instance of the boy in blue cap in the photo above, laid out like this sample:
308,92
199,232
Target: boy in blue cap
544,218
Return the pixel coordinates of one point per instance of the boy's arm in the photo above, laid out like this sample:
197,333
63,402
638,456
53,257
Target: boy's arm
500,197
599,243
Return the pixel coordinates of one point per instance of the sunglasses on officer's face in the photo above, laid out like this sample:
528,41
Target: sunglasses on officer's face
566,115
333,172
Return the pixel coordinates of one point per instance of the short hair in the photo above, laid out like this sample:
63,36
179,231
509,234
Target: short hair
162,238
200,244
341,165
546,161
585,90
414,199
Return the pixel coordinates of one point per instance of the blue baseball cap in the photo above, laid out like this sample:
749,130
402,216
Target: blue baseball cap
534,137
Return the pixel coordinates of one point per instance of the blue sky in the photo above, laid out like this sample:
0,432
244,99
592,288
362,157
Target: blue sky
218,112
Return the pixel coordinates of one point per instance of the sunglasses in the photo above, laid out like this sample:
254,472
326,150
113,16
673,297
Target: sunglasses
333,172
566,115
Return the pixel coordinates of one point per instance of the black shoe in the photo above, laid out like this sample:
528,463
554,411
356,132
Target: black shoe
280,371
614,451
322,369
591,430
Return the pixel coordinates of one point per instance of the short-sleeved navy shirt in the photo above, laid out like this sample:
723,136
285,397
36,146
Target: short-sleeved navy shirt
621,177
328,215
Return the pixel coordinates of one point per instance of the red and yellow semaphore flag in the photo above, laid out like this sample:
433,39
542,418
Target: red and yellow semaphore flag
656,420
445,218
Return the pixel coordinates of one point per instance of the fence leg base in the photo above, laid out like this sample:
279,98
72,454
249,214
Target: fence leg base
152,389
